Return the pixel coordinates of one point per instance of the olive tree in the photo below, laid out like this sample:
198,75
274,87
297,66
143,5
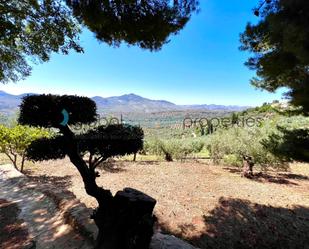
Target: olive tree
245,147
173,148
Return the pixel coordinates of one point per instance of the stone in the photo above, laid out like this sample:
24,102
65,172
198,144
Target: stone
162,241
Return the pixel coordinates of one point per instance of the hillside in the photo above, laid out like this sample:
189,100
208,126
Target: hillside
132,103
128,103
9,103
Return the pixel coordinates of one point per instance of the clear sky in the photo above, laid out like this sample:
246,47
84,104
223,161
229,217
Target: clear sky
201,65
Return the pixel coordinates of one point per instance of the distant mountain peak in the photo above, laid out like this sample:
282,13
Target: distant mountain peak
131,95
127,103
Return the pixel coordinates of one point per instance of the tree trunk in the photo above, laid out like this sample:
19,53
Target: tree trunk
22,163
247,167
134,158
168,157
15,161
125,221
12,159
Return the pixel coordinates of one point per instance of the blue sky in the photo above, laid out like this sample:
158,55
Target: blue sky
201,65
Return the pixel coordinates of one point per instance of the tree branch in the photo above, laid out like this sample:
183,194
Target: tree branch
99,160
88,174
90,160
12,160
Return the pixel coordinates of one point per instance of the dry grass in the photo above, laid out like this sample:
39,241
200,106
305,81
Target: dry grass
5,160
211,206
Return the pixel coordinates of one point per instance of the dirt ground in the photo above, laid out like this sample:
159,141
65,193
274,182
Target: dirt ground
14,234
30,219
210,206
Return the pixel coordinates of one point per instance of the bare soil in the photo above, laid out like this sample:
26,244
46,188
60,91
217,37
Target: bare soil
210,206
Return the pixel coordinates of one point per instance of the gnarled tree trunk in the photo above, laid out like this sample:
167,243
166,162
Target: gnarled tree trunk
125,221
247,167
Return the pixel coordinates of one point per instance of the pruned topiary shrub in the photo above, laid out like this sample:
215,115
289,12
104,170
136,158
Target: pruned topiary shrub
124,220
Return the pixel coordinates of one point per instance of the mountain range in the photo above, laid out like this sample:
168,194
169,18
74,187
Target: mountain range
127,103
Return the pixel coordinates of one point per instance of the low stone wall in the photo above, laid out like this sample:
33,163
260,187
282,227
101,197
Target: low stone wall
75,213
164,241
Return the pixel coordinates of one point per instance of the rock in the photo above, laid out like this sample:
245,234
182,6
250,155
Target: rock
162,241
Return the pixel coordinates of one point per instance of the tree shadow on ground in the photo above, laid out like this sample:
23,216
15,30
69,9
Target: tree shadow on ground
112,166
56,181
280,178
147,163
241,224
295,176
233,170
48,209
14,234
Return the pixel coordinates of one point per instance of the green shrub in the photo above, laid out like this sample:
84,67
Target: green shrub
242,142
152,146
173,148
291,139
14,141
233,160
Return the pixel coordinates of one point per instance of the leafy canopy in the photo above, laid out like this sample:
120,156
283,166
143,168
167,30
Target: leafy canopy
99,143
279,44
46,110
234,143
147,24
15,140
33,29
173,148
291,140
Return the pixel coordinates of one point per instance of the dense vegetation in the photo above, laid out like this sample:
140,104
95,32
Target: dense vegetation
291,140
270,135
279,47
267,136
174,148
25,25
